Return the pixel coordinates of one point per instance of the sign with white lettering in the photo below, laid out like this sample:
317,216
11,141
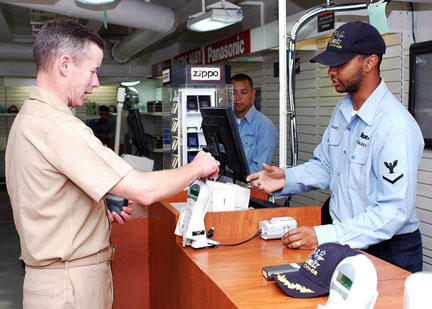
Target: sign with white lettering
232,47
325,21
166,78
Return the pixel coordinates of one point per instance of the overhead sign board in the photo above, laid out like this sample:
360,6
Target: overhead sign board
325,21
194,56
232,47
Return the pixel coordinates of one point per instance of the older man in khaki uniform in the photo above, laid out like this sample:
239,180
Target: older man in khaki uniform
58,173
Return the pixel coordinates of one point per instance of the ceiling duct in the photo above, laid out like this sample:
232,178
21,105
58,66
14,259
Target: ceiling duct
154,21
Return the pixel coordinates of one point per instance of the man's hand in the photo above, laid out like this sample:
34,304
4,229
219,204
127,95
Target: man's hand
207,164
303,237
270,179
123,217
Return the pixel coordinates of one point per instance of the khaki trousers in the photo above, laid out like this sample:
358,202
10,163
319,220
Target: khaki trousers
81,287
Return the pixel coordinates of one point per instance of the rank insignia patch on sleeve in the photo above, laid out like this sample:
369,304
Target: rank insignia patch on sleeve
391,166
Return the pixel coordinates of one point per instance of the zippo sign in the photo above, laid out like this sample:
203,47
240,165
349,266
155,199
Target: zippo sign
205,73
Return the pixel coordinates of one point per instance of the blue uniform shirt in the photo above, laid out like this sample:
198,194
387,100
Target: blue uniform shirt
259,136
108,127
369,162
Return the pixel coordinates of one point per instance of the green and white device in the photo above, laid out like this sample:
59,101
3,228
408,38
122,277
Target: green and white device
353,284
190,224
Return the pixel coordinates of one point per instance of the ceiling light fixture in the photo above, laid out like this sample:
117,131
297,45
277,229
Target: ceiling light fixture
95,2
128,84
219,15
98,2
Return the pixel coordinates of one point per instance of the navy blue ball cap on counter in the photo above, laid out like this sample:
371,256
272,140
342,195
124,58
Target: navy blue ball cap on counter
314,277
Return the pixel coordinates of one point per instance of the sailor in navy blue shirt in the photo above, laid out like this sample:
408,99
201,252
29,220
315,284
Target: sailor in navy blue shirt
104,128
257,132
368,158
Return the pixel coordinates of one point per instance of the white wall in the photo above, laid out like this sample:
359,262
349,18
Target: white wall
422,17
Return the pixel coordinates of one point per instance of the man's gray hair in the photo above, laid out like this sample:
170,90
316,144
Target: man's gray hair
63,37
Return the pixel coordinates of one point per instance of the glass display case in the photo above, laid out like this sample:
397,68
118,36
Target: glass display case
183,99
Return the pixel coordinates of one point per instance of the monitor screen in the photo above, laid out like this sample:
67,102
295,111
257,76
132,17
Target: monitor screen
136,133
224,143
420,90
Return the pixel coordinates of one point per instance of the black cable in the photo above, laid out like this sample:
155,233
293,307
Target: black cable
253,237
412,21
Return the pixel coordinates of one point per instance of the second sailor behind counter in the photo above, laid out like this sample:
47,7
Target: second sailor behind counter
257,132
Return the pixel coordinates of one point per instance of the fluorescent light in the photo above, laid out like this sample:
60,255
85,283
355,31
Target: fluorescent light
133,89
128,84
95,2
219,16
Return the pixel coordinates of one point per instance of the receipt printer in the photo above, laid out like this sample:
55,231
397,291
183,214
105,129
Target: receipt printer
276,227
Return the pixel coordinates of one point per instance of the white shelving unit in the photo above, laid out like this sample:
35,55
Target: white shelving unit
187,89
187,137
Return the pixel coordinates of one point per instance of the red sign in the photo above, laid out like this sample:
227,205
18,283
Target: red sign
193,56
232,47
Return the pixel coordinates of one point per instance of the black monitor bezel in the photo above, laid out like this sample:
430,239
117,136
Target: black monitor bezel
236,152
136,132
415,50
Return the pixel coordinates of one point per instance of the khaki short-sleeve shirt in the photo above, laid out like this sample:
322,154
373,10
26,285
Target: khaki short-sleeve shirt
57,173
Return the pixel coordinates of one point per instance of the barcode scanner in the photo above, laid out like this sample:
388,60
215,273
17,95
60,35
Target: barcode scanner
115,203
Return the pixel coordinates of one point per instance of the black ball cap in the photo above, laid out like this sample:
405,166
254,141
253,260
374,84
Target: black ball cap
350,40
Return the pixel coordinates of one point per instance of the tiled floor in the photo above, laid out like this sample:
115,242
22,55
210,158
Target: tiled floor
11,268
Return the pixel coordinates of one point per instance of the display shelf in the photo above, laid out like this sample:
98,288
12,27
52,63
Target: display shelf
187,137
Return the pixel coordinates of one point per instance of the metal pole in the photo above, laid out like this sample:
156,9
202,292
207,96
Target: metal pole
120,100
282,84
291,78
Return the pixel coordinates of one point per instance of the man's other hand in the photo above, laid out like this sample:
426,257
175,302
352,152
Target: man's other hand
122,218
303,237
208,166
270,179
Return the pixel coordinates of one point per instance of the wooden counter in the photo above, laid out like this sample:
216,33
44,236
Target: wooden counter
226,277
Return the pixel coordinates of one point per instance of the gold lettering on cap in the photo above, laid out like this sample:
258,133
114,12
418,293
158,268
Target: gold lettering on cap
336,39
313,271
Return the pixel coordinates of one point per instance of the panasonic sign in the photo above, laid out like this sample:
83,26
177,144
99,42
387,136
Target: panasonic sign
205,73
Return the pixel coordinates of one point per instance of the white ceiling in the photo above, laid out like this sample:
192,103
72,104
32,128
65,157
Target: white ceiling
15,26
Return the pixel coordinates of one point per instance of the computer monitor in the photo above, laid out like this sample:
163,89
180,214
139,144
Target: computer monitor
224,143
420,91
136,134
